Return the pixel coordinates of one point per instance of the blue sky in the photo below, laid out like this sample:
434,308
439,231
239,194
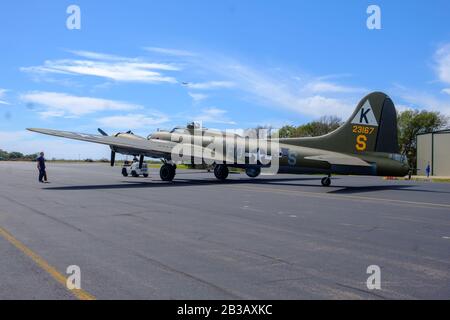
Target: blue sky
143,65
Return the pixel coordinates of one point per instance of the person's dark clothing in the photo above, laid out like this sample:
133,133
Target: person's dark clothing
41,162
41,167
42,175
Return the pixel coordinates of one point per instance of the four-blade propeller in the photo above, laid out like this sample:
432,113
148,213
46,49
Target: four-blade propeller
113,153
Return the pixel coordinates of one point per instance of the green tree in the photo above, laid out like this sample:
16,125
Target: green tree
319,127
413,122
31,157
15,155
3,155
287,132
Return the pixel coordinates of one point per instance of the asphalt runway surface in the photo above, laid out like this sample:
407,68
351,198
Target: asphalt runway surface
274,237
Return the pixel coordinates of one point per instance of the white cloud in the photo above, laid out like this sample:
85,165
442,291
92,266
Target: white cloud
170,52
64,105
197,97
107,66
442,58
303,95
2,95
277,91
133,121
424,100
412,98
6,136
329,87
402,107
310,96
99,56
214,115
210,85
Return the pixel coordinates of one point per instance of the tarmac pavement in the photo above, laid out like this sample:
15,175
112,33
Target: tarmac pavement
274,237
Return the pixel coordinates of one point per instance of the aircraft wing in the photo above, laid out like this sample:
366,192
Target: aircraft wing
340,159
154,147
135,144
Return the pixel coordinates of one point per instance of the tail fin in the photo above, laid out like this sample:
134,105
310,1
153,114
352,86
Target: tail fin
371,128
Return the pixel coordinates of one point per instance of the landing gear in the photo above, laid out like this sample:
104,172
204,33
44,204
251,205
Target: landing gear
221,172
253,172
167,172
124,172
326,181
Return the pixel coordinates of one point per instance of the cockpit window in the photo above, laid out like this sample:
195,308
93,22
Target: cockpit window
180,130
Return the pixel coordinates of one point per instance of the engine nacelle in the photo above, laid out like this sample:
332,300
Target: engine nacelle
128,135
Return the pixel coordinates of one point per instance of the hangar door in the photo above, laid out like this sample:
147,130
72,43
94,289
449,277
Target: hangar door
434,148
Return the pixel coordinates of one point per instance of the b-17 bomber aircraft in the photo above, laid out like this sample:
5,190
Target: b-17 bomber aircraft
364,145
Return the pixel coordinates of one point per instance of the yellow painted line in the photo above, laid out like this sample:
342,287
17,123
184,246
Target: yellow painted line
347,197
44,265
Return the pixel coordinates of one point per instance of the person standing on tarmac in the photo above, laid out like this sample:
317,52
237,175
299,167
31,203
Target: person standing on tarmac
428,170
41,167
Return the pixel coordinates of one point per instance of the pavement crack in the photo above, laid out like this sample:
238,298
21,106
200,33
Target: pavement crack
42,213
168,268
360,290
284,280
275,259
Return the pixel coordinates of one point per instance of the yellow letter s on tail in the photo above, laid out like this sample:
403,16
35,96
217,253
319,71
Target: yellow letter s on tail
361,144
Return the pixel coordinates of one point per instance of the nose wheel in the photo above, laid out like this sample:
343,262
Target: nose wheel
326,181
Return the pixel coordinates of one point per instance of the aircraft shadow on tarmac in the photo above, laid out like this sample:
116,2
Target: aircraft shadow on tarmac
363,189
188,182
287,182
359,189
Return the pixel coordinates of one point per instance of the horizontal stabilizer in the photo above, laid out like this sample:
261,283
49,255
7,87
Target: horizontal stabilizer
340,159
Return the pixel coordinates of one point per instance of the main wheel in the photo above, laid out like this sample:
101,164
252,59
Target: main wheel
134,174
124,172
253,172
167,172
221,171
145,175
326,181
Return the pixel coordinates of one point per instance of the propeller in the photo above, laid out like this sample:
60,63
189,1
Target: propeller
141,161
113,153
113,158
103,133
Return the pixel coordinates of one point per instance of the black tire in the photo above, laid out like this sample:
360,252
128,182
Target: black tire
326,181
124,172
253,172
145,175
134,174
167,172
221,172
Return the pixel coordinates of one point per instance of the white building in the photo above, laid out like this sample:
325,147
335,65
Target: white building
434,148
